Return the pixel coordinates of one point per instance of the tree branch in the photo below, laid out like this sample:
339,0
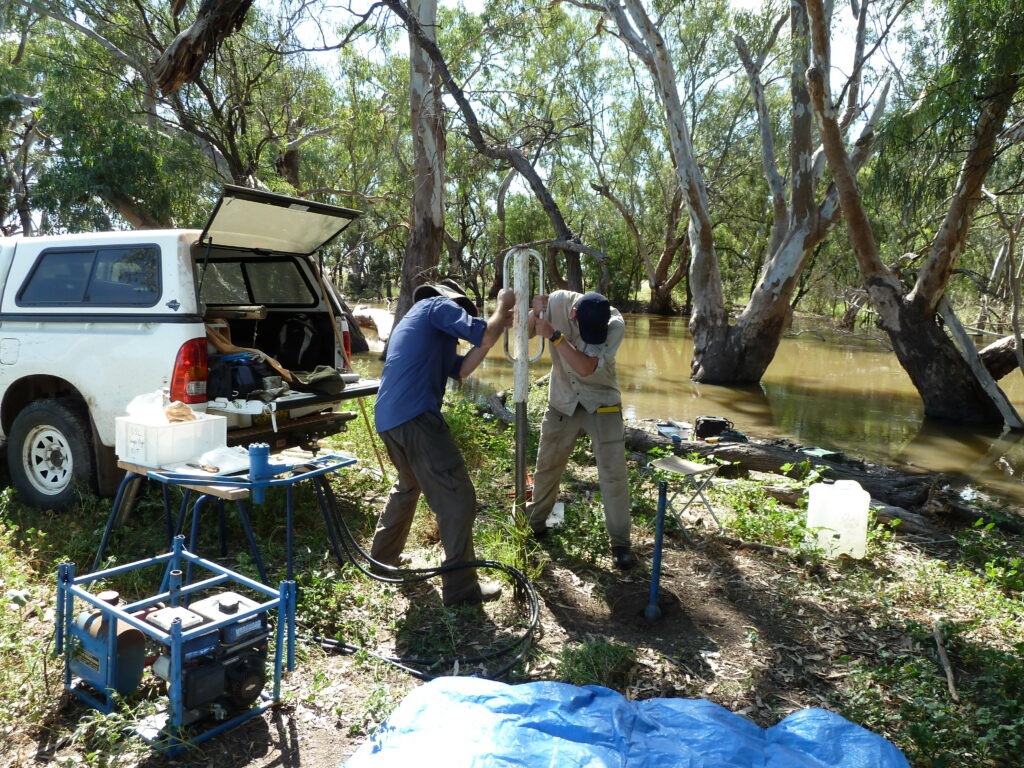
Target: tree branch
506,154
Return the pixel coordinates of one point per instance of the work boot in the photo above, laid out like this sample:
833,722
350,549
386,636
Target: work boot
404,559
486,592
622,558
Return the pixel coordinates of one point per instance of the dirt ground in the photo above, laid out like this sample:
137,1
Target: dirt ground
730,631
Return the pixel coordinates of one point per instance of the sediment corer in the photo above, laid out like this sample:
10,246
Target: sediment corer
517,269
259,469
101,655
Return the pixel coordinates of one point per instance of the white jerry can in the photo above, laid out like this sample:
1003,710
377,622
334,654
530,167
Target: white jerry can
837,518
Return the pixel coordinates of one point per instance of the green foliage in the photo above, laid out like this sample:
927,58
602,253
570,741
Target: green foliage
755,516
338,605
904,696
803,471
993,556
597,663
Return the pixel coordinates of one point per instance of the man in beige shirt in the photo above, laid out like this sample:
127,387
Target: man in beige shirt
585,332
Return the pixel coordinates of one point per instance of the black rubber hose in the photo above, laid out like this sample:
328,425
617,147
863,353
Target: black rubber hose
412,575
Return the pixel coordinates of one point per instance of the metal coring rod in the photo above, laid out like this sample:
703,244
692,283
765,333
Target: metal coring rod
517,264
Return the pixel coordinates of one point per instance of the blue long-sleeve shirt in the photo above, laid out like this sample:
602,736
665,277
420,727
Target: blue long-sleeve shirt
421,358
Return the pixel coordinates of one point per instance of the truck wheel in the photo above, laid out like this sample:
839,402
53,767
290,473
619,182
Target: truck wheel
49,454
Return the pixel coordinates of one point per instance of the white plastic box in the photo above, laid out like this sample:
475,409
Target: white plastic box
159,445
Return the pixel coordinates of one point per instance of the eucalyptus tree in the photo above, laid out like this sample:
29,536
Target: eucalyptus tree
971,92
632,176
501,148
526,75
20,133
367,161
740,351
122,149
426,219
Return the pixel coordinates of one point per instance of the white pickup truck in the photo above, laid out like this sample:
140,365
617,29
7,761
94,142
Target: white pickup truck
89,321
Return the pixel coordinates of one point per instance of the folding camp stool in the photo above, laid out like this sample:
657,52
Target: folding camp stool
694,478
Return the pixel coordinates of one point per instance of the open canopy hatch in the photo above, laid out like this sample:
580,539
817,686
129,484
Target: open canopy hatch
252,219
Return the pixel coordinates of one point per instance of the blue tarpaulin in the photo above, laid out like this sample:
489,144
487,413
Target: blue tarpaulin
456,722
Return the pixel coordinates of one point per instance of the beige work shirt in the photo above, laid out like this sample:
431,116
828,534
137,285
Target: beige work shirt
568,388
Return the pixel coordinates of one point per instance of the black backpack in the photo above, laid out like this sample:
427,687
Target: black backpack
298,344
235,375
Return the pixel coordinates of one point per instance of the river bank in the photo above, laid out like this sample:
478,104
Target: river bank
762,630
827,389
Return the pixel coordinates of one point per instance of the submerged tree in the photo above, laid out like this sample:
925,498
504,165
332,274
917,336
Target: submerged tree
979,84
740,352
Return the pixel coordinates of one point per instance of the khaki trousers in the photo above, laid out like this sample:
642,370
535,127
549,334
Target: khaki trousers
558,434
428,462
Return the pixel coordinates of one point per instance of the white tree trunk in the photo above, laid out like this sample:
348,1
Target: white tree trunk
426,230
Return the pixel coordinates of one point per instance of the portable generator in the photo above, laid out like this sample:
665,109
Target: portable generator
210,644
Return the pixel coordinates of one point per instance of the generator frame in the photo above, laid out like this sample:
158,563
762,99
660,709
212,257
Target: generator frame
165,730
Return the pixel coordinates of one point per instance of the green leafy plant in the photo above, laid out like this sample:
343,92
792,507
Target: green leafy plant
803,471
992,555
755,516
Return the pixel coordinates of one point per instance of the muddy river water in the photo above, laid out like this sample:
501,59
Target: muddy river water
846,394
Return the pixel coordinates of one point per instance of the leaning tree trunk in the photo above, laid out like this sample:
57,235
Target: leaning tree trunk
426,233
949,389
948,386
499,256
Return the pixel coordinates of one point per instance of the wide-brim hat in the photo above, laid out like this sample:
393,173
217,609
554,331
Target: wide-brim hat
592,314
449,289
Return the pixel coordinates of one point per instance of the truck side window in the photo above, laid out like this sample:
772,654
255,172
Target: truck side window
106,276
59,277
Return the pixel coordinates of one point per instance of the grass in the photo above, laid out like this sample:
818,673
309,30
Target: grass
597,663
854,636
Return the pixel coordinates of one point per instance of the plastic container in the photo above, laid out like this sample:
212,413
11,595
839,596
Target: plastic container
159,445
837,518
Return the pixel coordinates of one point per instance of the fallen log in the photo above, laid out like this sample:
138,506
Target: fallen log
917,499
497,404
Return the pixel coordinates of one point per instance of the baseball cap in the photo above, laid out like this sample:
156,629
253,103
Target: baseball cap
592,314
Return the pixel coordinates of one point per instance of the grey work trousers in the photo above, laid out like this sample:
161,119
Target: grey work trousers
428,461
558,434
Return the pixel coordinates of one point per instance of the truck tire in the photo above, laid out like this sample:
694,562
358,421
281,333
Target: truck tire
49,454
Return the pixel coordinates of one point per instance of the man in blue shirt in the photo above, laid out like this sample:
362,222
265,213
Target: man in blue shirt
421,358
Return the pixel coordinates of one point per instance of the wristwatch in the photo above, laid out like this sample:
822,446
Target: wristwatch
555,338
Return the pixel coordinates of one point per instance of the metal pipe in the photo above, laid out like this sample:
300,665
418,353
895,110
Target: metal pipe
522,430
653,611
519,269
174,590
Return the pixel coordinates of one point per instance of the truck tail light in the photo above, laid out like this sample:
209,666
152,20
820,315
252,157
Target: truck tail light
188,383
